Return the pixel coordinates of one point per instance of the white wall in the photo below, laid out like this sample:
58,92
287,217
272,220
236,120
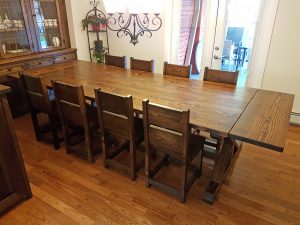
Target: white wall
282,71
158,47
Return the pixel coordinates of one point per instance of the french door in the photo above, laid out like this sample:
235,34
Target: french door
230,35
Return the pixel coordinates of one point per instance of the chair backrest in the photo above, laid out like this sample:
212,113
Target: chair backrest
227,48
37,93
115,61
166,129
115,114
70,104
143,65
177,70
220,76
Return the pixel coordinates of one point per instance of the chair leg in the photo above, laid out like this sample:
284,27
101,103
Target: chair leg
55,138
36,126
132,161
200,166
148,156
89,153
184,182
104,151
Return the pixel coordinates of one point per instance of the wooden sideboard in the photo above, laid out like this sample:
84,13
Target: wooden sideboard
14,186
10,69
32,34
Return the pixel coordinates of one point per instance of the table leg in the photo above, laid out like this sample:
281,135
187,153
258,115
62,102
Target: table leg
223,164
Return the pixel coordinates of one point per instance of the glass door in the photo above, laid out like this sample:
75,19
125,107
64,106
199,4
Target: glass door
14,35
234,36
47,22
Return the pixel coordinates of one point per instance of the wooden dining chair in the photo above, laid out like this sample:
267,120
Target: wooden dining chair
221,76
167,131
115,61
143,65
42,100
118,125
177,70
213,142
79,121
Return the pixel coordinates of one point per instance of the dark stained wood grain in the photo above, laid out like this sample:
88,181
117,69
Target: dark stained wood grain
143,65
214,107
177,70
167,131
220,76
115,61
13,179
265,121
4,89
116,118
75,112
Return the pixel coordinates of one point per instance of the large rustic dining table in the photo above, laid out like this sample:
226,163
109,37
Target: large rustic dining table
256,116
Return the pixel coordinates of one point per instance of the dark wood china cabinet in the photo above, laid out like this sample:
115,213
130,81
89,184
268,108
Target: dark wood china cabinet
33,33
14,184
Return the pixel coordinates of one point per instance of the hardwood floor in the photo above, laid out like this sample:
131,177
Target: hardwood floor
263,188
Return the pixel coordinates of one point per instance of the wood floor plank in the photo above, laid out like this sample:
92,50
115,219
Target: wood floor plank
262,189
61,206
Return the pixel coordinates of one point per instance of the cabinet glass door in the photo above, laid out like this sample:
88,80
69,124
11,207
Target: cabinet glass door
47,22
14,37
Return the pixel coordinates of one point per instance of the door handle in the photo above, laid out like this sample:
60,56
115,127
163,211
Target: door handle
217,57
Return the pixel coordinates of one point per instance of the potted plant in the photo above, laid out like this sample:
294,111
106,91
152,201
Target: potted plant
96,22
99,51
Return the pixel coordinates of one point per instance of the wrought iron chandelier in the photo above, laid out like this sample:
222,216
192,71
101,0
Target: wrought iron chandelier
142,20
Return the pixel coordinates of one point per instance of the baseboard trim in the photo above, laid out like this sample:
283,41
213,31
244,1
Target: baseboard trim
295,119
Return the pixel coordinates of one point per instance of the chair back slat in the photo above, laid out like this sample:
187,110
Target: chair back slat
115,113
67,92
115,61
143,65
164,139
115,103
220,76
177,70
70,102
116,124
71,112
166,117
37,93
165,128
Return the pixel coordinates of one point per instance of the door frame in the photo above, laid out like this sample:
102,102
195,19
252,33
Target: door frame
261,45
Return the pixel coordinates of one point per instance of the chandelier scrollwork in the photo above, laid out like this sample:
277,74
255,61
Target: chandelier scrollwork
137,25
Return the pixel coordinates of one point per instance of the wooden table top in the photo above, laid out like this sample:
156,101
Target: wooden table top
216,108
265,121
4,89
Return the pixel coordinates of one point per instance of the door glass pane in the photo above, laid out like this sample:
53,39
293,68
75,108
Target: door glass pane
13,35
47,23
240,33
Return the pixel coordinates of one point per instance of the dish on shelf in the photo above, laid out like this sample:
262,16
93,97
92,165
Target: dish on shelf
16,51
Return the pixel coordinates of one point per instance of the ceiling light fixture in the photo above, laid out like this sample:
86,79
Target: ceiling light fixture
143,17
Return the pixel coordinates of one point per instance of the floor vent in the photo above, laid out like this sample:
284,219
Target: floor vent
295,119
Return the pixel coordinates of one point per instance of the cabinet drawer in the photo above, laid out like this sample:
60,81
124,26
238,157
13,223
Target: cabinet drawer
64,58
11,69
39,63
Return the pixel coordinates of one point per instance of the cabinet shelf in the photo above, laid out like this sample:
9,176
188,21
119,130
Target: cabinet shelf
15,29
